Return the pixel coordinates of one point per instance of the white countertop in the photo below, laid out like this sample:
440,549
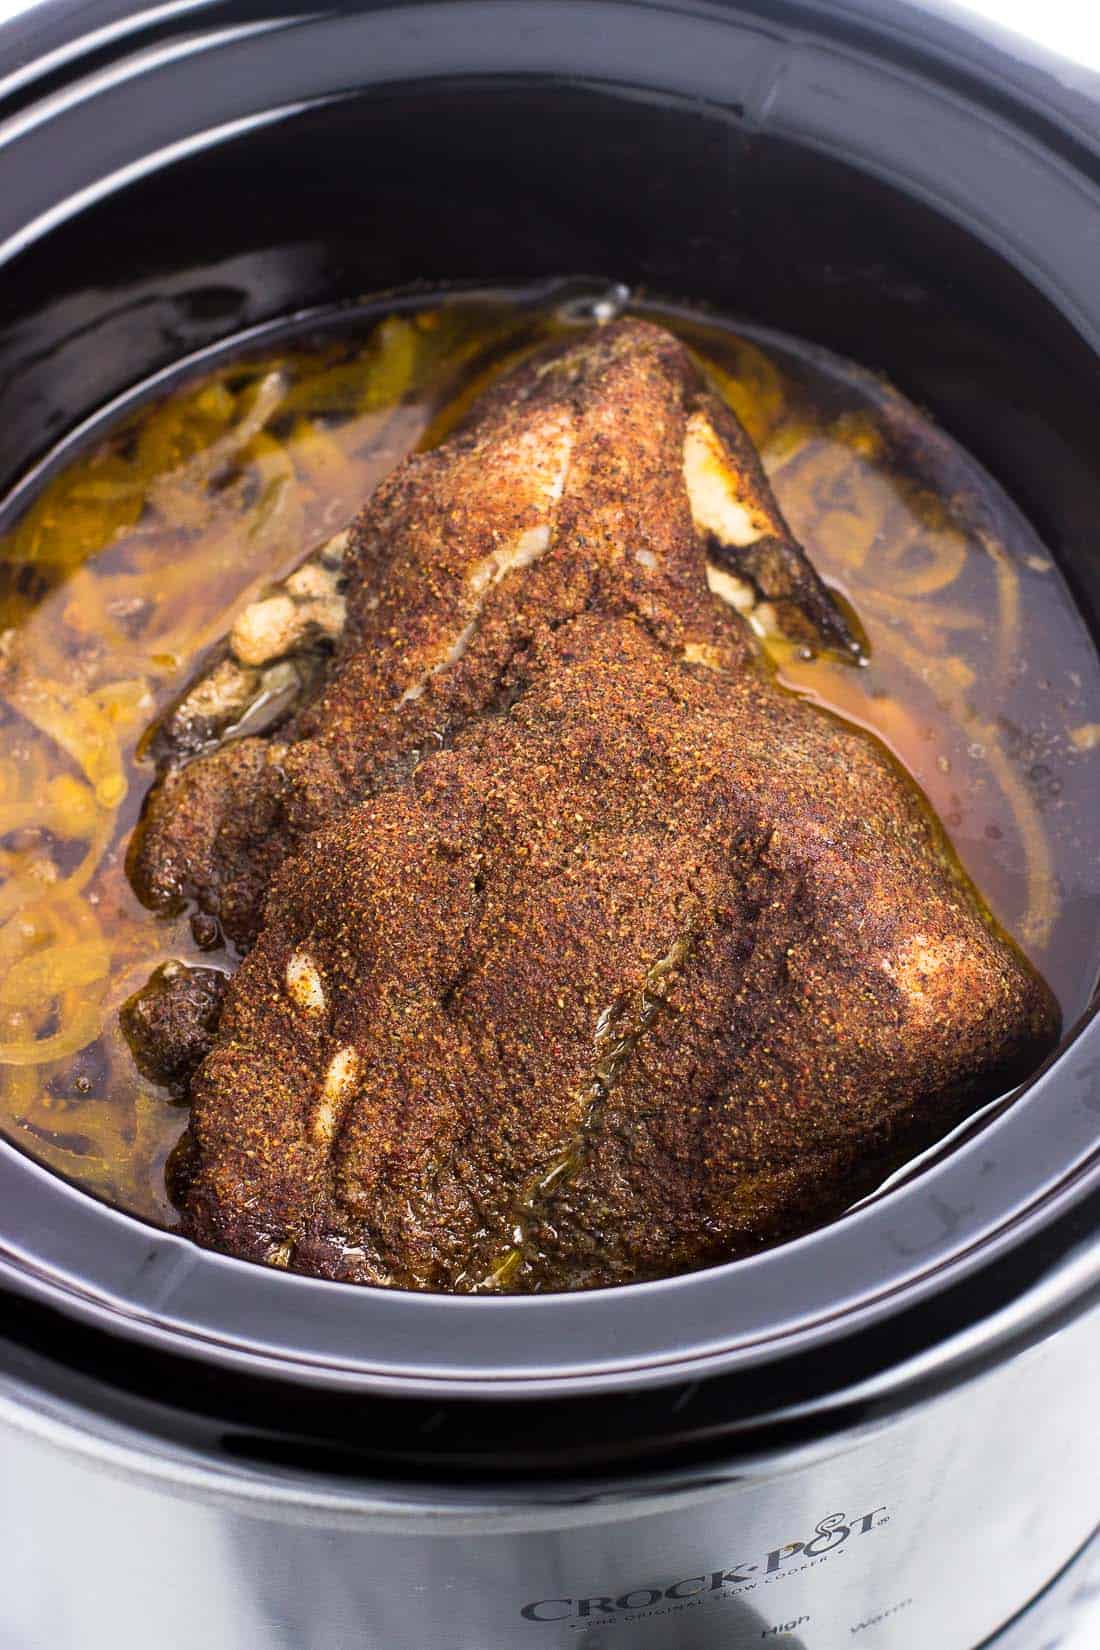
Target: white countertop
1063,26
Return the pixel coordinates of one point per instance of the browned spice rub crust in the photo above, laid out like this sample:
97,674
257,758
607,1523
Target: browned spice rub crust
580,952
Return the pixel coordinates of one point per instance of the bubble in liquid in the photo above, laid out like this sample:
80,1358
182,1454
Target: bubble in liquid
601,307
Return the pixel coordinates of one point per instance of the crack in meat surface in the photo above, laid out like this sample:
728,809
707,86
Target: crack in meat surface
577,952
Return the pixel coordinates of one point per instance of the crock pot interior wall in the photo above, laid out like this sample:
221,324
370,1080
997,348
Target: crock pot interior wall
481,180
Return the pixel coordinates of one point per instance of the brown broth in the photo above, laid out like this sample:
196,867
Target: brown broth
129,562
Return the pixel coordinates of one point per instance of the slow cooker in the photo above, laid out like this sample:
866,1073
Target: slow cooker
882,1434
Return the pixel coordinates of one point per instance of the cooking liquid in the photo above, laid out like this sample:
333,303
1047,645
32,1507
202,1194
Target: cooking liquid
121,570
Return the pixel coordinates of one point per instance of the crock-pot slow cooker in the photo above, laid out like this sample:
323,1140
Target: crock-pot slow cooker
881,1434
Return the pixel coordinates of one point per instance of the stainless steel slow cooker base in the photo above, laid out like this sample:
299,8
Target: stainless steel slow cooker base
927,1531
1066,1616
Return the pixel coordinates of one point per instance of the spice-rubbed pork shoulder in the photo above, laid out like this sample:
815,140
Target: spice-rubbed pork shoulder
579,951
